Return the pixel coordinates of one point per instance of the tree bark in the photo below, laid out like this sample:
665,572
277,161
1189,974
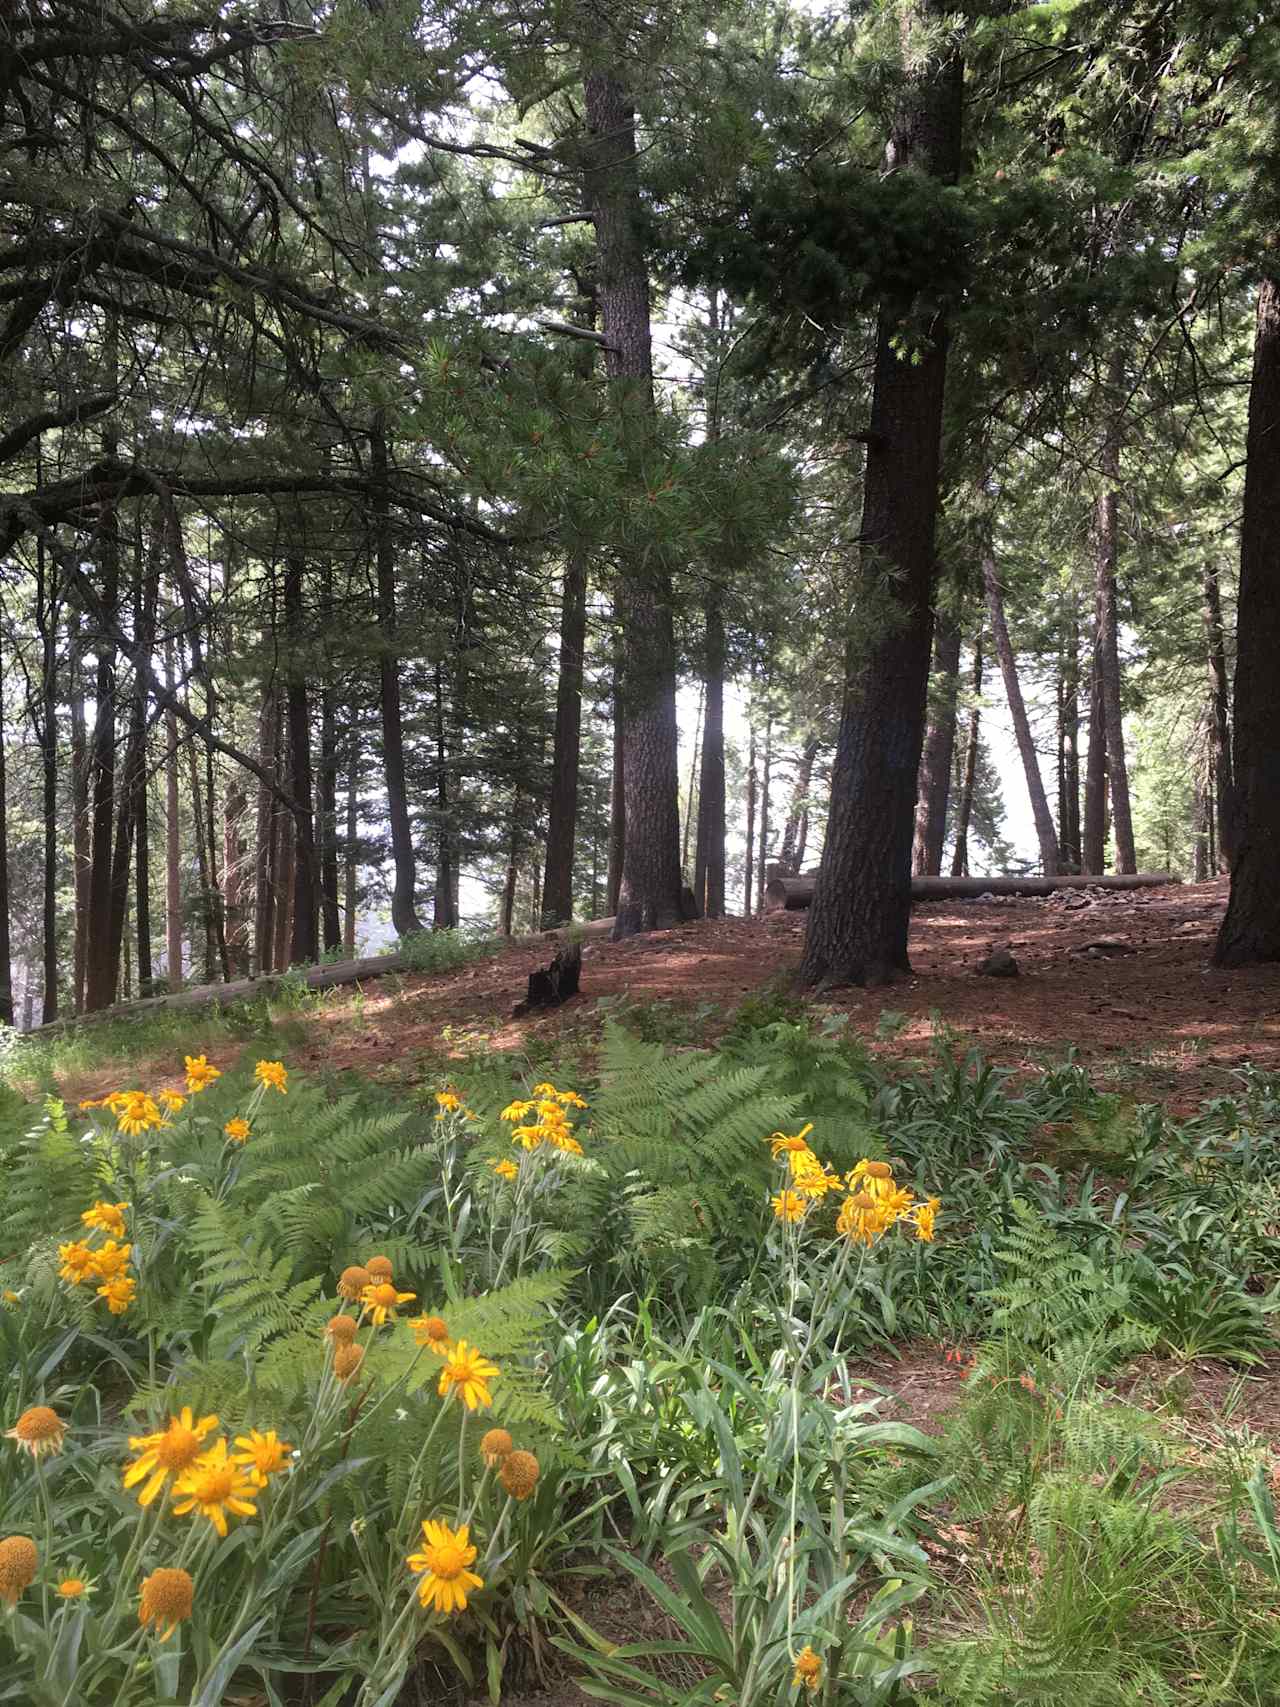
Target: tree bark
857,930
404,910
1069,742
352,863
327,788
617,813
236,913
766,780
709,860
264,837
651,891
47,617
1250,930
172,842
79,816
964,806
691,799
1220,711
748,897
304,937
1094,837
937,760
6,963
1046,835
1106,553
791,852
507,906
562,810
100,970
444,913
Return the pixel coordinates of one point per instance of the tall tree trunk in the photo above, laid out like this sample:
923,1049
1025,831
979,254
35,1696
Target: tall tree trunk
172,841
327,786
202,866
766,781
617,814
264,913
283,862
142,879
709,862
352,862
1106,553
749,875
1201,825
47,613
404,911
1046,835
1069,741
562,810
304,939
100,970
964,806
1251,928
444,913
1094,836
858,924
789,854
691,800
651,892
6,963
81,841
507,907
937,760
1223,781
236,913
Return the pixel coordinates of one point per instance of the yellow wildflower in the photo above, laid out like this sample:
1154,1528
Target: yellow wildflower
810,1176
263,1454
781,1144
71,1588
380,1268
237,1130
861,1218
108,1217
78,1260
118,1293
381,1300
432,1332
926,1215
571,1099
273,1074
18,1562
563,1139
528,1136
545,1089
174,1101
550,1112
213,1486
808,1672
875,1177
448,1100
166,1600
506,1168
442,1565
790,1206
138,1114
111,1260
166,1453
39,1430
469,1373
200,1073
515,1111
519,1474
92,1102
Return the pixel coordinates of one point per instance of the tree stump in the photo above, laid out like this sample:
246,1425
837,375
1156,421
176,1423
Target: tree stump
550,986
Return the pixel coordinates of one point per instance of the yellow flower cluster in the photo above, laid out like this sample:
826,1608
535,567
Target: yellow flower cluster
207,1480
105,1265
449,1102
551,1125
874,1201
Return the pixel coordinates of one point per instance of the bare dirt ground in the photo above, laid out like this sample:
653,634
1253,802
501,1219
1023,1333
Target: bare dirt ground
1159,1016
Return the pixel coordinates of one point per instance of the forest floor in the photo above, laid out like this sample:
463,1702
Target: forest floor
1144,1010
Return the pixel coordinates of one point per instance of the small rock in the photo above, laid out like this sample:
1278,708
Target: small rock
999,964
1106,948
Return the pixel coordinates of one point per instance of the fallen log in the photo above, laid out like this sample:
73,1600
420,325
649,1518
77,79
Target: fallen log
792,893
